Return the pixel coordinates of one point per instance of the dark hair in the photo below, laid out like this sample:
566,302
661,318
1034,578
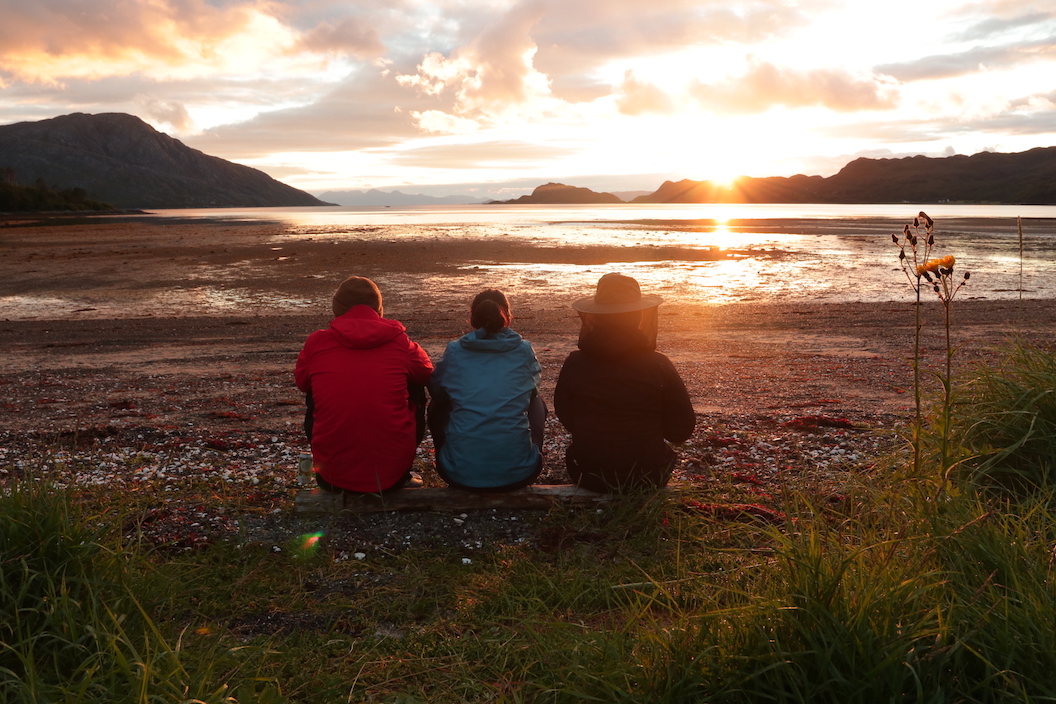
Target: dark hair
355,291
490,310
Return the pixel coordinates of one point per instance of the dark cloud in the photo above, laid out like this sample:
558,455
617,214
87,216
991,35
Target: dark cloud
765,86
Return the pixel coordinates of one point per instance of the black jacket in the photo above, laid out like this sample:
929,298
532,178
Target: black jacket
621,400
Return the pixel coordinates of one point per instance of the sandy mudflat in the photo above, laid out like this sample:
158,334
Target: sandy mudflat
123,364
154,298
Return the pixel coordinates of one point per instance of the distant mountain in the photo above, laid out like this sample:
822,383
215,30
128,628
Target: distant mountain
559,194
628,196
123,161
1026,178
375,197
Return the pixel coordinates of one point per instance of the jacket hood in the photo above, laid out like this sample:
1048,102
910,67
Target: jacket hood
503,341
362,328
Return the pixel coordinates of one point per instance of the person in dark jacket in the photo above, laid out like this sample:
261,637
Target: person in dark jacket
620,399
365,384
486,416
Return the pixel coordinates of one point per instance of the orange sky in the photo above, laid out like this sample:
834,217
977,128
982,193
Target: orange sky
494,97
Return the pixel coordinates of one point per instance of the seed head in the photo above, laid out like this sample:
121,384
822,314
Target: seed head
967,274
894,238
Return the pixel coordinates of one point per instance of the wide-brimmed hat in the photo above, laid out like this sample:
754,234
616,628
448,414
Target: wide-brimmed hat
616,293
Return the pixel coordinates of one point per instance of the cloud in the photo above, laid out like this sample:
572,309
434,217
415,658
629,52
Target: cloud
575,36
480,155
51,41
1030,21
1035,122
641,97
518,56
349,35
440,122
765,86
492,75
62,40
168,112
360,113
538,47
971,61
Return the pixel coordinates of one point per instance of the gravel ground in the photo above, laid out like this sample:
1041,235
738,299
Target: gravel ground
193,417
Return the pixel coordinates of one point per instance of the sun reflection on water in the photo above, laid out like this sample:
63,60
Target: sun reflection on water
710,255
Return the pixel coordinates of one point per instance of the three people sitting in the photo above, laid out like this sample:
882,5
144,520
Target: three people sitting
620,400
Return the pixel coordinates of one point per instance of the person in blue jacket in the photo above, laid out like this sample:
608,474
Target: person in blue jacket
486,416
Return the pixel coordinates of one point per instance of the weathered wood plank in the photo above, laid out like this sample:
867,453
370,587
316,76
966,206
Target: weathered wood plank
540,497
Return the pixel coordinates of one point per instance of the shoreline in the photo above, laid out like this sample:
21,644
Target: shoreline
215,267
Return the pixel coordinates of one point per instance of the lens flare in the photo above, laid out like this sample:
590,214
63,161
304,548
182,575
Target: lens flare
309,543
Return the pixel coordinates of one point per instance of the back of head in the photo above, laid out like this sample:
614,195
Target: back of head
355,291
618,334
490,310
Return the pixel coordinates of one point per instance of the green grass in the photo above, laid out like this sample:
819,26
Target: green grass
1007,422
887,599
895,593
72,630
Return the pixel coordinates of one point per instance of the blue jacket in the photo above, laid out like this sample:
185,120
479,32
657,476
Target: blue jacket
490,381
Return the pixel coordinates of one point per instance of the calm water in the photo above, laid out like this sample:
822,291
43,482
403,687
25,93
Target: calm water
822,253
815,252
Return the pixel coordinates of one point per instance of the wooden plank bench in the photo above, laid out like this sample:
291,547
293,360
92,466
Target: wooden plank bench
540,497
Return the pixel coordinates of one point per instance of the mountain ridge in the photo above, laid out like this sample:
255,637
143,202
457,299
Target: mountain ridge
1020,178
375,197
561,194
121,160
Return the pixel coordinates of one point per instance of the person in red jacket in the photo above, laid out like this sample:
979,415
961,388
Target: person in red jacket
364,381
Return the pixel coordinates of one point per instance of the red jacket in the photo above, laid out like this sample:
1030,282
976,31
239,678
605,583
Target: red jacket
363,436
